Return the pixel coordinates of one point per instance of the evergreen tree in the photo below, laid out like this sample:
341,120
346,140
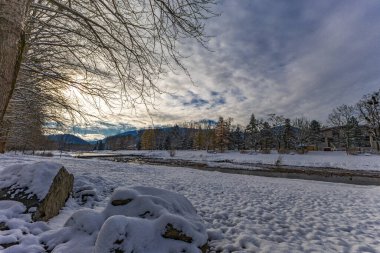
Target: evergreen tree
266,137
167,143
237,138
199,139
99,145
354,134
186,141
138,144
176,140
210,139
302,135
277,122
288,135
252,133
222,134
358,134
315,133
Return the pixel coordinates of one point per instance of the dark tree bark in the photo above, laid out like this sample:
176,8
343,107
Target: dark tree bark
12,43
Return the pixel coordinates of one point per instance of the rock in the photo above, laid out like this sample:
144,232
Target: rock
120,202
56,198
205,248
43,187
3,226
8,245
172,233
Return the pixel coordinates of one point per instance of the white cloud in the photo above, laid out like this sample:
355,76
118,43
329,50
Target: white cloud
297,58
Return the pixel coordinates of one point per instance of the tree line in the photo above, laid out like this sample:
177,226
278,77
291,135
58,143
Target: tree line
219,136
350,125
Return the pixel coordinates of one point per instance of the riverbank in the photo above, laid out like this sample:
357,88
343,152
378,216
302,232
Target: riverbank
324,174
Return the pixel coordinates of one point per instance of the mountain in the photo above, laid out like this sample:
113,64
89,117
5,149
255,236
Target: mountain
133,133
208,122
100,129
67,139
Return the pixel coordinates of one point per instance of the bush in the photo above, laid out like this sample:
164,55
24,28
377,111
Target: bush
283,151
172,152
47,154
302,151
278,161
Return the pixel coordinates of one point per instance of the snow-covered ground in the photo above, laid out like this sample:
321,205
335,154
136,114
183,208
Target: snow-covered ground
244,213
336,159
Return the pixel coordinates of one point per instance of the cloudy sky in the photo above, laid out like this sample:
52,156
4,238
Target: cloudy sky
294,57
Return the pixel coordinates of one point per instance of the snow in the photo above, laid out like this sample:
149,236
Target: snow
11,208
333,159
133,217
138,235
36,178
241,213
21,230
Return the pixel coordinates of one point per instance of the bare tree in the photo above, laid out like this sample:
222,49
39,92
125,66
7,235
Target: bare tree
277,123
302,135
369,109
341,117
96,47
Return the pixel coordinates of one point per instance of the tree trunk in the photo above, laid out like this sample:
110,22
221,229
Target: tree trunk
4,132
12,42
2,146
376,136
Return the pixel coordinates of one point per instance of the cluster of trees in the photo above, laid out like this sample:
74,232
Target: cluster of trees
349,125
351,119
222,135
55,53
348,132
368,109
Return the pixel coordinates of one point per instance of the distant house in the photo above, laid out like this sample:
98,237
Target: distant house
333,138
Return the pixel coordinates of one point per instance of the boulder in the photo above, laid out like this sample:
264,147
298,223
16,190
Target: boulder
56,198
43,187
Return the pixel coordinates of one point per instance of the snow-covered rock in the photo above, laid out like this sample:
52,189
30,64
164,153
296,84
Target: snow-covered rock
43,187
139,220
